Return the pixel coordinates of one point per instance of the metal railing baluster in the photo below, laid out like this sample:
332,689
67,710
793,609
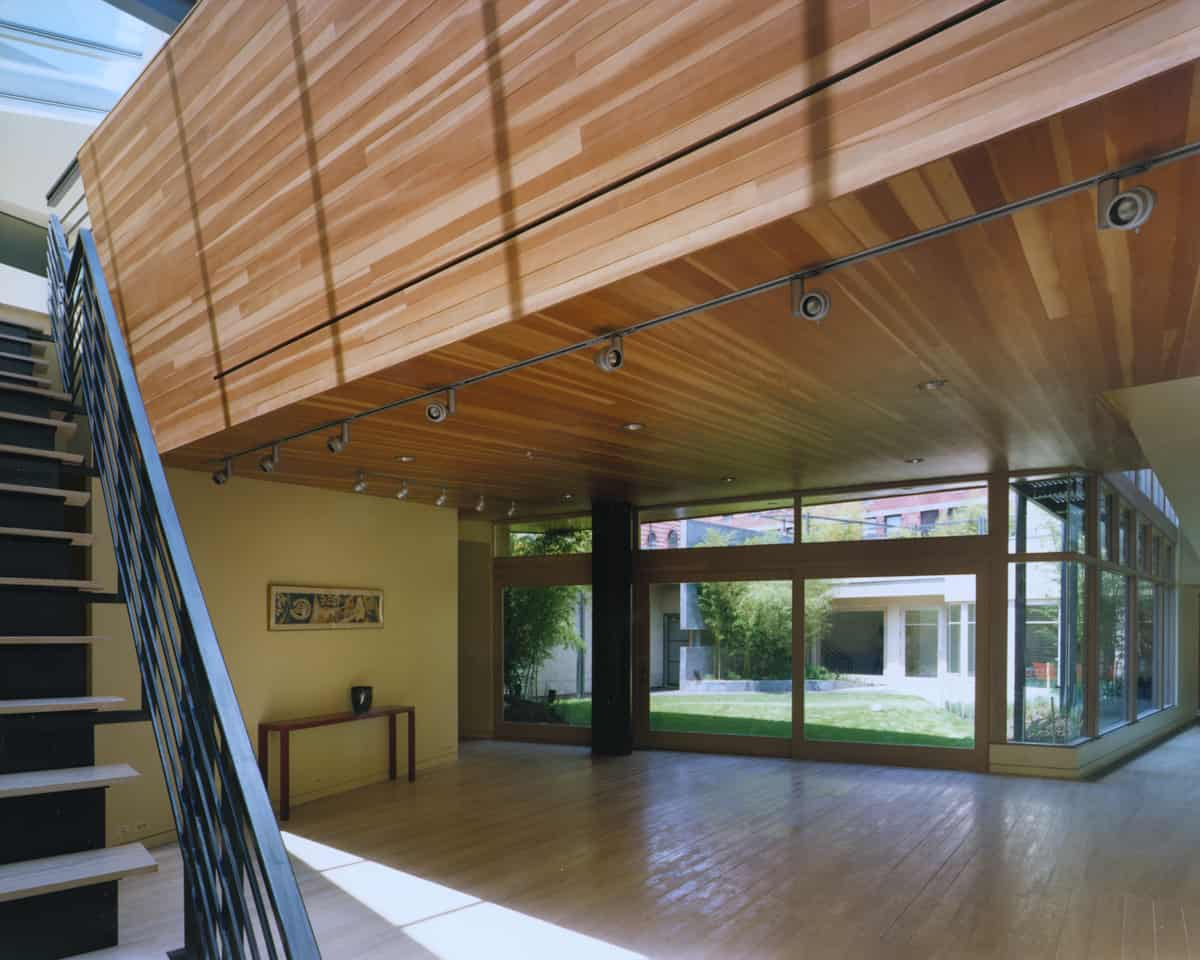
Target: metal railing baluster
241,898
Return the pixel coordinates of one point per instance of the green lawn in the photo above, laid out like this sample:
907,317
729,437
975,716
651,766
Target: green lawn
864,717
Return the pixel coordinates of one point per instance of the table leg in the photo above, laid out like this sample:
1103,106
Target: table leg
264,744
412,746
285,750
391,746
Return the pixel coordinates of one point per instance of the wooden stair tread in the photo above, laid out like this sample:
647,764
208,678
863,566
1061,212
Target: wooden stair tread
37,782
61,455
27,324
49,640
48,392
73,498
30,878
7,376
123,951
88,586
4,355
57,704
76,539
38,345
66,426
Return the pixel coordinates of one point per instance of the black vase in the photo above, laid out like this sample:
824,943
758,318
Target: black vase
360,699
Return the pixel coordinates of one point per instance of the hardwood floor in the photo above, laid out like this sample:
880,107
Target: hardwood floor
671,855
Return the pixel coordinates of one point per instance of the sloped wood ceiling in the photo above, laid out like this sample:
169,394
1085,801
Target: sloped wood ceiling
1030,318
282,161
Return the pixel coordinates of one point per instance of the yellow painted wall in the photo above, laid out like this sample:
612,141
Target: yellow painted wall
251,533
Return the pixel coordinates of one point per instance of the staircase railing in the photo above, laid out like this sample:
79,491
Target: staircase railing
241,898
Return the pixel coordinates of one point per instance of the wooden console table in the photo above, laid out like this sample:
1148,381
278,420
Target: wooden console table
285,727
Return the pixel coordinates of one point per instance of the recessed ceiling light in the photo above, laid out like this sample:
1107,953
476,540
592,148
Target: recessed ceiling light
914,460
406,458
728,479
568,497
930,385
528,454
633,427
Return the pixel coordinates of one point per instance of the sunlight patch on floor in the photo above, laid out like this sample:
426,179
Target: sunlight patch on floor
446,922
487,930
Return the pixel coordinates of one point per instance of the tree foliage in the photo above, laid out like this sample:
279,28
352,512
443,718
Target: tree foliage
540,620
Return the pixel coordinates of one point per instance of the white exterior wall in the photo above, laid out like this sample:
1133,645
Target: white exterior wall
560,670
894,596
664,599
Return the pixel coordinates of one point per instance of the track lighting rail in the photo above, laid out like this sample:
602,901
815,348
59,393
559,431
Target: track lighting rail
606,339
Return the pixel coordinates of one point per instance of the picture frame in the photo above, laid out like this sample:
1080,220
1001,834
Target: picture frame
298,607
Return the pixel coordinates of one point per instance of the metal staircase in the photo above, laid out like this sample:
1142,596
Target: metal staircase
58,881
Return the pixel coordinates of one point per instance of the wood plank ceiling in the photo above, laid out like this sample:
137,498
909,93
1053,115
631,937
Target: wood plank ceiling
281,161
1031,318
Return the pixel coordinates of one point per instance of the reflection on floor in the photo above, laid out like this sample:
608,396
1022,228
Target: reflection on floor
545,852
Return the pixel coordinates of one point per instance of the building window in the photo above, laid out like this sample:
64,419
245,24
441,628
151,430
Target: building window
1125,538
672,539
921,642
954,638
928,521
652,540
958,641
971,639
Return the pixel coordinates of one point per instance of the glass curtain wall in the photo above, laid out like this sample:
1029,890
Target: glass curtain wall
891,660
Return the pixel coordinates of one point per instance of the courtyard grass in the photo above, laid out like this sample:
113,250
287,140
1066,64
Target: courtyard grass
865,717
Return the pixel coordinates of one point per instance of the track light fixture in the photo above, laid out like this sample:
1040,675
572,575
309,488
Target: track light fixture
612,357
811,305
268,463
221,477
441,499
339,441
1118,209
512,510
438,412
402,493
360,482
480,504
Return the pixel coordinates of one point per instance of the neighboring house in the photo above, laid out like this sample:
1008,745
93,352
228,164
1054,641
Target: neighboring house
912,634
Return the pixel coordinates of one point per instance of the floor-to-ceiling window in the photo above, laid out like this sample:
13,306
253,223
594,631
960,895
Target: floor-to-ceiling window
731,672
1047,609
544,619
897,660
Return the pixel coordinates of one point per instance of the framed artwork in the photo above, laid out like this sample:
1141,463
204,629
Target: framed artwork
323,608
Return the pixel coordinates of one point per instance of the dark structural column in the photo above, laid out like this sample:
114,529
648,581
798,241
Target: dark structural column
612,628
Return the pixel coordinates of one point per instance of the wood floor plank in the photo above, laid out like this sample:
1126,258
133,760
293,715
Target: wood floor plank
694,857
